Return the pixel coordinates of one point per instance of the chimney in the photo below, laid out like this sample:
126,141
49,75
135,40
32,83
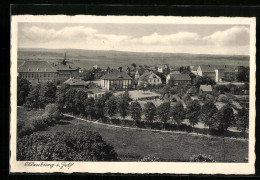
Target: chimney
120,69
108,70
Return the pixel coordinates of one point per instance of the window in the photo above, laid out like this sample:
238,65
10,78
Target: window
44,75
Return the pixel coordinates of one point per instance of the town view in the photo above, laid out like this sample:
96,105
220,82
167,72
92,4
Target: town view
117,105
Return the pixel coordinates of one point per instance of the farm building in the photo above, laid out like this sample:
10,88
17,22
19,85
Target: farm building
163,67
179,79
149,78
116,79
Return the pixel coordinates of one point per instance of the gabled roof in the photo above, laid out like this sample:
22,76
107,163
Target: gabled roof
194,67
36,66
75,82
207,68
148,75
206,88
58,66
180,77
141,71
116,75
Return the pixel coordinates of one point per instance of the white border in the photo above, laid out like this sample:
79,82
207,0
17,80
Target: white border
135,167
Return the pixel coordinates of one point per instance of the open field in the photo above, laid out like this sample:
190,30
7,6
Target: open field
88,58
132,145
135,94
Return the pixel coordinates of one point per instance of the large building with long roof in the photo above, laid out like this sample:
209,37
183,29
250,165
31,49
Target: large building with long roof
116,79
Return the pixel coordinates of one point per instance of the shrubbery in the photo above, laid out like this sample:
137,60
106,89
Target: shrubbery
78,145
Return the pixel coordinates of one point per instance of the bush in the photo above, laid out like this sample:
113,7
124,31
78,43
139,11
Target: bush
202,158
23,130
76,145
41,123
52,110
223,98
150,158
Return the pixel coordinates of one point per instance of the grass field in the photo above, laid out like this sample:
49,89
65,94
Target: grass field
132,145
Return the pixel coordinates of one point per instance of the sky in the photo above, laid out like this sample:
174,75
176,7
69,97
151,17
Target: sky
170,38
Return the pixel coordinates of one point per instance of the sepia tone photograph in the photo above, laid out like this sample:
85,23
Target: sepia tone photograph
148,91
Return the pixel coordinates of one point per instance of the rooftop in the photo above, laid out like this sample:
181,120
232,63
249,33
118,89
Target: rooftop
148,75
180,77
36,66
75,82
115,74
206,88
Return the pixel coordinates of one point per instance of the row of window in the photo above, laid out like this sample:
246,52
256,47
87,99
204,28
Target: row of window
36,75
158,80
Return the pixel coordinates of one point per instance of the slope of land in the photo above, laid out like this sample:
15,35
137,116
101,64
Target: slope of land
89,58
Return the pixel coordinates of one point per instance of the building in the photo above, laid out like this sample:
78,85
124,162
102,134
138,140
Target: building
95,93
218,73
194,69
116,79
230,73
75,83
139,72
179,79
205,89
163,67
149,78
37,72
65,71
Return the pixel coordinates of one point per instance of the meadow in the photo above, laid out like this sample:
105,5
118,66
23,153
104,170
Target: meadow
133,145
114,59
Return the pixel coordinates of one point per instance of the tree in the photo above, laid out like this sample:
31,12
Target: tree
134,65
69,100
88,75
99,107
111,106
242,119
178,113
123,104
89,104
53,112
208,110
23,90
224,118
193,112
203,80
61,95
47,93
135,110
79,98
243,74
149,111
74,145
163,112
32,101
107,95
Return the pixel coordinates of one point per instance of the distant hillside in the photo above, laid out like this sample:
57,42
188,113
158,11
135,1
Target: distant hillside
122,58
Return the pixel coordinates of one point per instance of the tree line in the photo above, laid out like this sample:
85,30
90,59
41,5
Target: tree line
69,100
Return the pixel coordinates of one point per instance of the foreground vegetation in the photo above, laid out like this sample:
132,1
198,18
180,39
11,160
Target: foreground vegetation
133,145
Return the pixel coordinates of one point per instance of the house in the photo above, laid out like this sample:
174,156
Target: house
116,79
75,83
205,89
179,79
194,69
218,73
149,78
37,71
163,67
95,93
230,73
139,72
